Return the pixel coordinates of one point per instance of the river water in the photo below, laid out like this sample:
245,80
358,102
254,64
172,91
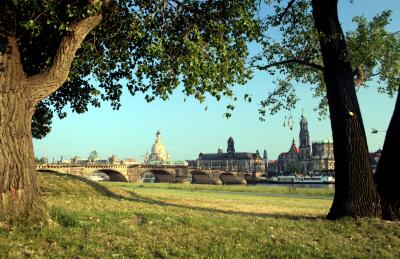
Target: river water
315,185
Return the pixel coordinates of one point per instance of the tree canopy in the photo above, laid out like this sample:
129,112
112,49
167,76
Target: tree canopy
373,51
148,46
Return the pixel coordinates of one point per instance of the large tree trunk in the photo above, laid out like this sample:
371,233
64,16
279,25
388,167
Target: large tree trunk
19,190
355,193
387,174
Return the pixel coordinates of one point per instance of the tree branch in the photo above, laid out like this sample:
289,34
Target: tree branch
359,76
289,61
282,14
48,81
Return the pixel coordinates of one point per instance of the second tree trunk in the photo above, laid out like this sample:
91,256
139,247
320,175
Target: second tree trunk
355,194
387,174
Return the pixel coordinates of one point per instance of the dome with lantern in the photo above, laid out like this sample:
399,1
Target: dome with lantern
158,154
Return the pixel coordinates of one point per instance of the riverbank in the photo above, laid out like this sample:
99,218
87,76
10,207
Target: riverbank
115,220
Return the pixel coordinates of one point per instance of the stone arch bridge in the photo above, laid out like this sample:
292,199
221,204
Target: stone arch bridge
162,173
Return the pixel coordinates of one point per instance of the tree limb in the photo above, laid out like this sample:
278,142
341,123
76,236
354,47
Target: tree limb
48,81
289,61
359,76
282,14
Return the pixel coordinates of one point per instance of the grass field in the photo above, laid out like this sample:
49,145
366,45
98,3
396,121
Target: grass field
119,220
256,189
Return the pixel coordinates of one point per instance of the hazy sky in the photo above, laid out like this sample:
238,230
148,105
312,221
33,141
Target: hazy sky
187,129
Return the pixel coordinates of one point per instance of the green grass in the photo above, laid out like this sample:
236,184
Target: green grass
257,189
114,220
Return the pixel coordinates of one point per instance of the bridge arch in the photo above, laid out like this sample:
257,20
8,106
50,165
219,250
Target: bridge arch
200,177
228,178
248,176
113,175
160,175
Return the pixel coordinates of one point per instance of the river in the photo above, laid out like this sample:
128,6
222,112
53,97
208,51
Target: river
314,185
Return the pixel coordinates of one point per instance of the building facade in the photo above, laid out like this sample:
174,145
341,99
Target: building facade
306,159
323,159
232,160
289,162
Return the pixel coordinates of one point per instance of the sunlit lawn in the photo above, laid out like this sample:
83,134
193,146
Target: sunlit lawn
149,220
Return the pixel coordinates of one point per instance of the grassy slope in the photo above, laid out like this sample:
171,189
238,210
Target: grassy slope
119,220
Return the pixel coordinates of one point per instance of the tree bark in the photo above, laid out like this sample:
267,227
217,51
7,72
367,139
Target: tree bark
387,175
19,190
47,82
355,194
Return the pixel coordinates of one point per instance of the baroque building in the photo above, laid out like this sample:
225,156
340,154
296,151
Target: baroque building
289,161
158,154
306,159
322,159
232,160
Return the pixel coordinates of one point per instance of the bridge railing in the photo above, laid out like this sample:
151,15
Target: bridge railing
157,166
111,166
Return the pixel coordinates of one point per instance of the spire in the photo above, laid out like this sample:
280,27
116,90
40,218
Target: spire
231,146
265,156
304,136
303,119
294,147
158,137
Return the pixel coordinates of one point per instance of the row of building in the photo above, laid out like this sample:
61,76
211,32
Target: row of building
307,158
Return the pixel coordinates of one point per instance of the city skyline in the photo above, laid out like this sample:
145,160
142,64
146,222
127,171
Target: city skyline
274,144
188,129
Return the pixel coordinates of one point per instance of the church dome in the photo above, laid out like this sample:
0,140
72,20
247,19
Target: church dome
158,149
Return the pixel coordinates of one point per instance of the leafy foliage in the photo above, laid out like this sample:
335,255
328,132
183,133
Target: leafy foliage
41,121
373,52
150,47
377,51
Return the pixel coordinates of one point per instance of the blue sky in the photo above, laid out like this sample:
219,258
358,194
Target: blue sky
187,129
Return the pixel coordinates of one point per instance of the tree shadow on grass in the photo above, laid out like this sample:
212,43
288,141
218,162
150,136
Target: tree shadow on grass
96,186
101,189
138,198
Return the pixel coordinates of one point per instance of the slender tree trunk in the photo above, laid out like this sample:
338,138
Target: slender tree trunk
355,193
19,190
387,175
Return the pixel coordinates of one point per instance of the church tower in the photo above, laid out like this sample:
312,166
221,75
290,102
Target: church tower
231,147
305,148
